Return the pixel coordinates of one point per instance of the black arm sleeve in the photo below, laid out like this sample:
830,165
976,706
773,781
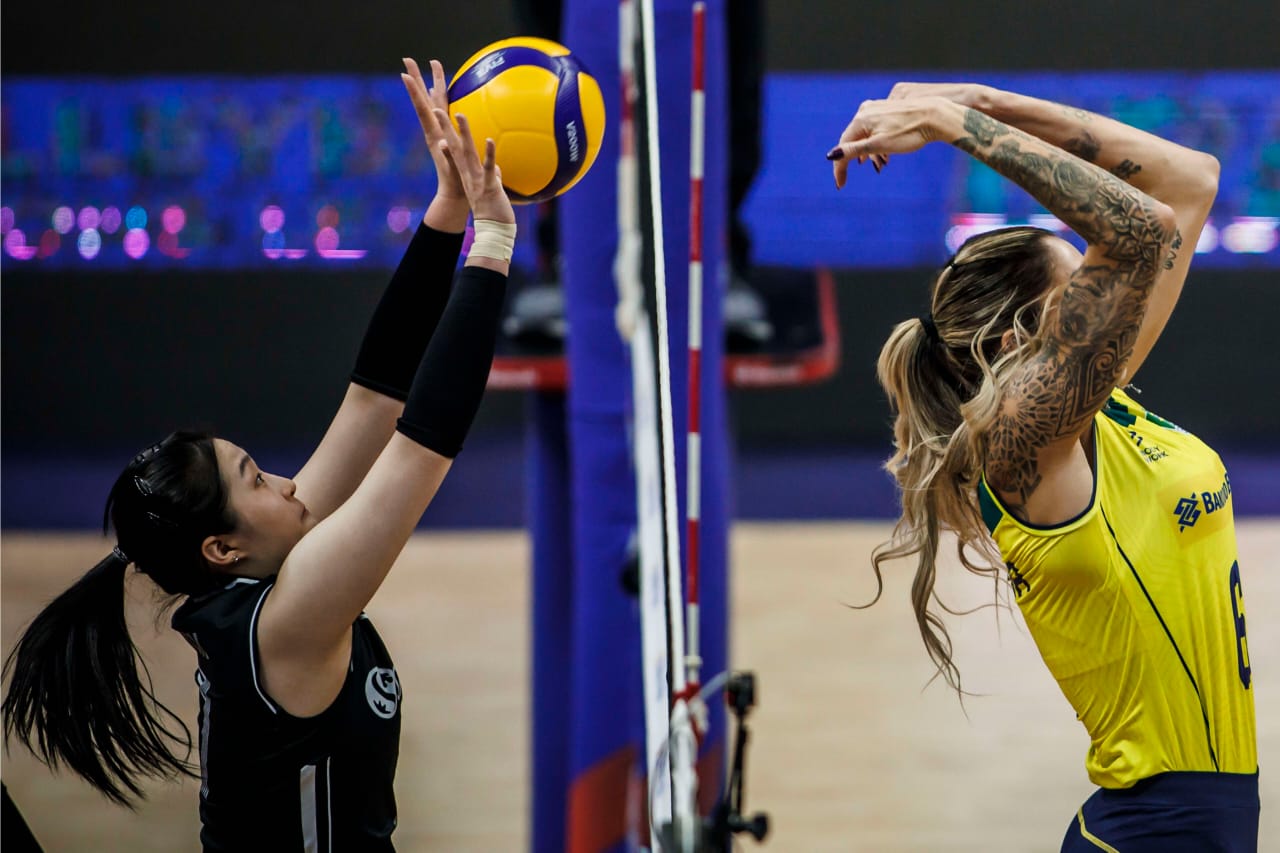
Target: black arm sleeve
450,382
408,313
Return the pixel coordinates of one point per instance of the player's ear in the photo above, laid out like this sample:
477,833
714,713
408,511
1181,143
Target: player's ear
220,554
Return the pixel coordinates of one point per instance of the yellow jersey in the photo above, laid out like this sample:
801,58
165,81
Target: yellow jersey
1136,604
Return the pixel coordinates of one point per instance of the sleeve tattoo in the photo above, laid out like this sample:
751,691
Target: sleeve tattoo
1126,169
1173,249
1085,146
1090,333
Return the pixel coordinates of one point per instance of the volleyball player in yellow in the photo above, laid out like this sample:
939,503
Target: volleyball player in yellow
1113,525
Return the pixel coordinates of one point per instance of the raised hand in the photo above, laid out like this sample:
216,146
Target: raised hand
481,180
426,100
973,95
886,127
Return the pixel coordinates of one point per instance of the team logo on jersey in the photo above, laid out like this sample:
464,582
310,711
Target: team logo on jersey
382,689
1188,512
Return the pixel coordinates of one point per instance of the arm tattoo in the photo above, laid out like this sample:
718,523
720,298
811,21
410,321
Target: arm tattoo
1089,332
1126,170
1079,114
1172,257
1108,213
1087,344
1085,146
983,127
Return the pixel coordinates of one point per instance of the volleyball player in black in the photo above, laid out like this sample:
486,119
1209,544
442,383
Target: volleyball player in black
299,700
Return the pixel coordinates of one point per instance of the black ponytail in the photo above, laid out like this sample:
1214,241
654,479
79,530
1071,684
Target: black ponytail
79,693
75,696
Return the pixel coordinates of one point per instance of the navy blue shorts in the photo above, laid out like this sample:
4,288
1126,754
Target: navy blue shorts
1170,813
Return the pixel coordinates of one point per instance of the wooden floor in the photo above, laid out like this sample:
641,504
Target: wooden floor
849,751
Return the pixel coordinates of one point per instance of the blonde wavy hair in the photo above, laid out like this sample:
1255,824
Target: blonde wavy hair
944,388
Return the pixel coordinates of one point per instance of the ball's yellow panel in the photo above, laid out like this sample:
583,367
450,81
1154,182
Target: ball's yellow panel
528,160
592,102
522,98
545,45
483,126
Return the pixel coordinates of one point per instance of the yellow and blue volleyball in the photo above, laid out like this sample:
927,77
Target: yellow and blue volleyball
539,105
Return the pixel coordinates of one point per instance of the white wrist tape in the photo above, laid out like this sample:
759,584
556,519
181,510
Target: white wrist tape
493,239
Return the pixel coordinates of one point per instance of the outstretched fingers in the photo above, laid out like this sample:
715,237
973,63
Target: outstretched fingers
439,90
412,79
481,178
411,66
467,141
492,171
460,147
415,93
447,130
447,153
427,99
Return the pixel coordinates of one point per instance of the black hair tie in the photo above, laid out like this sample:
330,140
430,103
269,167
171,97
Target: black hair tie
930,329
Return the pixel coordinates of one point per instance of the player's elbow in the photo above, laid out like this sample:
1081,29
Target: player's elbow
1197,181
1202,177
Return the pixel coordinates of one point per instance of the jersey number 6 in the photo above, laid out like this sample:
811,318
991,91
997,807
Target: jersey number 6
1237,610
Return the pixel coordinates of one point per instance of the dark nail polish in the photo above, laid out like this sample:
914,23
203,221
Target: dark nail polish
836,153
877,166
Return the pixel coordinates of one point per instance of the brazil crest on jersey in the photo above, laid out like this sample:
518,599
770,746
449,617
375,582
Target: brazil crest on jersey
1136,605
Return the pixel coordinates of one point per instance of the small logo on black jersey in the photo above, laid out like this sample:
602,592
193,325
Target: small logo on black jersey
1187,511
382,689
1017,581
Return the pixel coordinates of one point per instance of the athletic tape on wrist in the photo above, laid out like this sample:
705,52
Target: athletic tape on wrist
493,239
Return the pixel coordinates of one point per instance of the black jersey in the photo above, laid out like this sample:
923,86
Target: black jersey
272,781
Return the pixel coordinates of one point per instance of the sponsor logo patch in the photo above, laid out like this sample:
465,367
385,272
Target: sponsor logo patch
1195,507
1187,511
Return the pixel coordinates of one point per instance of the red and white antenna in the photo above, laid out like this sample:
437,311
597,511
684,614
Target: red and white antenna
693,508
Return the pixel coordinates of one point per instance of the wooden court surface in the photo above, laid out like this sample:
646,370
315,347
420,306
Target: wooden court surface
850,751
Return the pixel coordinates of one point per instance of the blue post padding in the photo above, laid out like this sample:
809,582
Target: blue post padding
602,684
549,511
